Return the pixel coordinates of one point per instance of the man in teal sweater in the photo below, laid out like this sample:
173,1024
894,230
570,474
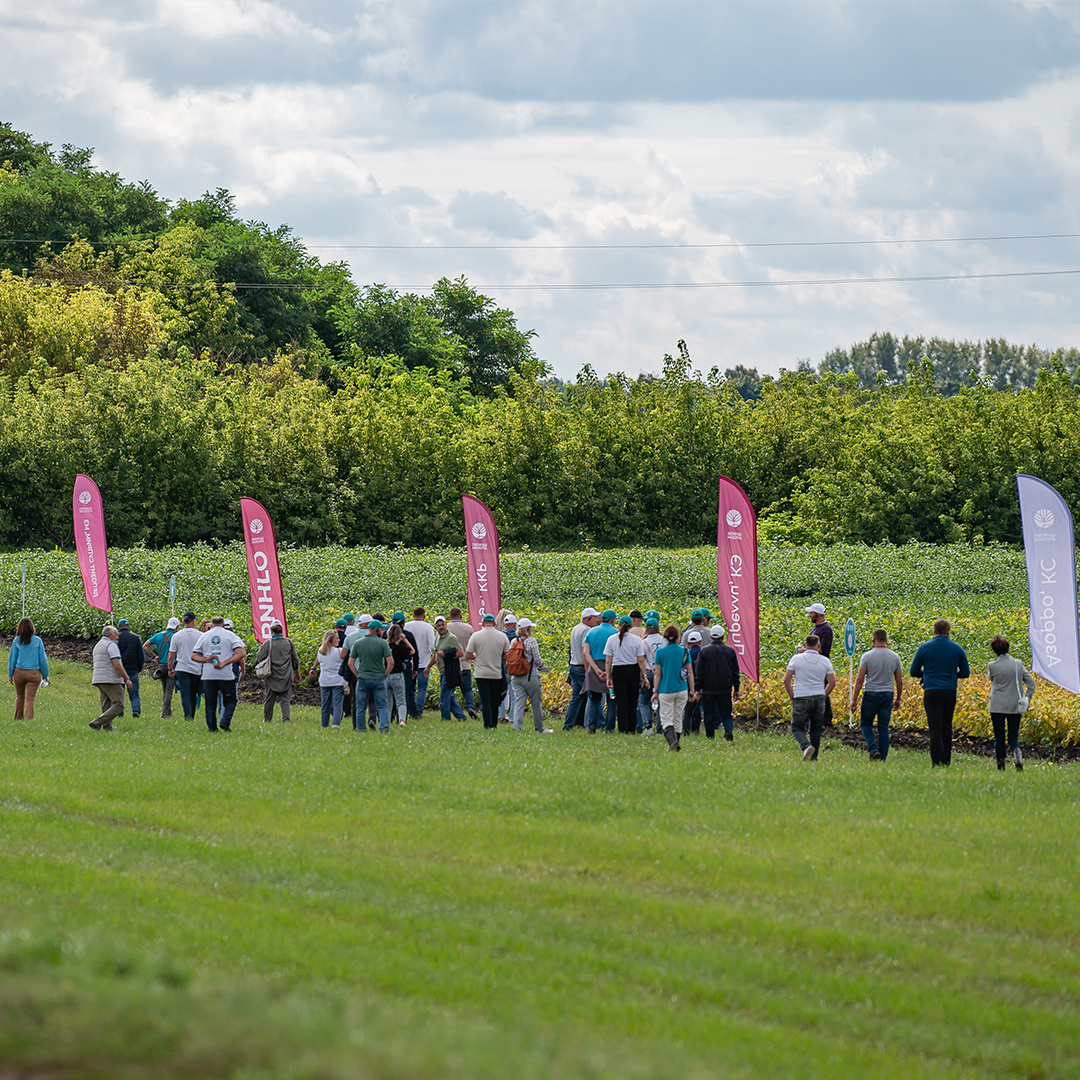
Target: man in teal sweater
939,663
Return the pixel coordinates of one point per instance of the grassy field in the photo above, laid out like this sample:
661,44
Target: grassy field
443,902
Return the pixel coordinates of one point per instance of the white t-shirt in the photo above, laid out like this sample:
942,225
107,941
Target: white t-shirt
653,642
626,652
222,643
810,669
424,635
329,666
183,644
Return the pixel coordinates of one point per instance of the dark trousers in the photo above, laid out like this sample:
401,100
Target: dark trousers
575,711
716,709
625,680
491,693
223,690
691,720
940,706
1000,720
190,686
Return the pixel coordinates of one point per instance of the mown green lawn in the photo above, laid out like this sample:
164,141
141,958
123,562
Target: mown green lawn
290,902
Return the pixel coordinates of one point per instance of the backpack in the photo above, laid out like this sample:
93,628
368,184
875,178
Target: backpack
516,661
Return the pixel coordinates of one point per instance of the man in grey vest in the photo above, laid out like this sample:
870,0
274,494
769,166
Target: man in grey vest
110,678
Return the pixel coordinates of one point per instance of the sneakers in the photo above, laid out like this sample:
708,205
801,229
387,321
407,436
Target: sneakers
875,755
1019,759
1001,764
548,731
729,736
810,752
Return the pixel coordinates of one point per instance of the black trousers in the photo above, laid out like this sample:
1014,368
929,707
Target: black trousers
940,706
491,695
626,681
1000,720
716,710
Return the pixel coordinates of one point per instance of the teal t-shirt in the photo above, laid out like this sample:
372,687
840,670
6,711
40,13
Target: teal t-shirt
597,639
671,659
369,652
160,641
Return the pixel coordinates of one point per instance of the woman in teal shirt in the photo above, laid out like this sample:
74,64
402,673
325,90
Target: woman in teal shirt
670,689
28,667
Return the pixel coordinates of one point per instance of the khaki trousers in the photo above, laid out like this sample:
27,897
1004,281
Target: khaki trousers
26,688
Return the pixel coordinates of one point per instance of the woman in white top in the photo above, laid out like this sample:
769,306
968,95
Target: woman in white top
1008,679
624,665
331,681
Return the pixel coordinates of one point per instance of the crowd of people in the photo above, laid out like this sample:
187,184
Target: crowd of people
625,673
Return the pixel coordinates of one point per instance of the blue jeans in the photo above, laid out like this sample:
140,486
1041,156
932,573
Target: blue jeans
133,693
421,691
880,705
395,688
600,712
190,686
333,698
716,710
373,690
467,691
448,704
644,705
575,710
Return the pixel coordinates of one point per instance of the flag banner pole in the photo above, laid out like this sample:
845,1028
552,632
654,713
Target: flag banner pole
482,560
264,575
737,575
1050,553
89,520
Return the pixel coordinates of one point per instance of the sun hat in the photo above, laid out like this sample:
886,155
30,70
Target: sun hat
693,637
815,609
590,613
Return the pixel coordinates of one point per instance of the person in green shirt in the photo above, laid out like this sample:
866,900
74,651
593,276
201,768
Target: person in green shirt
448,655
370,660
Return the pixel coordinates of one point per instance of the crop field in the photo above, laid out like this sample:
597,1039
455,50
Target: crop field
287,903
982,590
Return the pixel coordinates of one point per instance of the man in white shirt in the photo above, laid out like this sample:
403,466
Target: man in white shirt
188,674
575,711
217,650
808,673
424,635
485,652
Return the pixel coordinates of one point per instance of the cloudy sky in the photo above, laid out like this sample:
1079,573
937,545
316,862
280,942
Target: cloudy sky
706,148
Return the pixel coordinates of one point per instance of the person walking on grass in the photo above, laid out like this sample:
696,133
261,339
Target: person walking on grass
133,657
487,648
824,633
447,658
28,668
625,673
879,670
463,631
1008,681
216,651
371,660
809,680
597,715
331,681
671,688
423,636
717,674
525,664
653,640
939,663
110,678
157,648
183,669
575,710
403,652
284,672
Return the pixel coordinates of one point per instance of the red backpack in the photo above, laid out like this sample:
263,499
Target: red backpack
517,663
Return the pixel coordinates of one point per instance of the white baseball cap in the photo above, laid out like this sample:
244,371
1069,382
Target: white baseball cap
227,624
525,624
172,624
364,620
693,637
510,617
716,631
815,609
590,613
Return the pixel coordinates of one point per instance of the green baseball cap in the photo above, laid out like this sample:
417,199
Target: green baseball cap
705,613
340,624
652,613
349,617
398,616
608,615
652,624
375,625
625,620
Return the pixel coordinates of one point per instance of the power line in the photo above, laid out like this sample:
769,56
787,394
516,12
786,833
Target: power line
726,245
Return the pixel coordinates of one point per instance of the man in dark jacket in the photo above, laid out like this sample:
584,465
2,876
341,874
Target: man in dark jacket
717,677
133,658
824,633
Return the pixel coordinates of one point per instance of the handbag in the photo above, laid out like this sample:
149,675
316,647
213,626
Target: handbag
1025,701
265,665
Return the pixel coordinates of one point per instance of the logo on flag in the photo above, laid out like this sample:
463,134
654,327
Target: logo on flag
84,497
256,526
479,530
733,518
1043,519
